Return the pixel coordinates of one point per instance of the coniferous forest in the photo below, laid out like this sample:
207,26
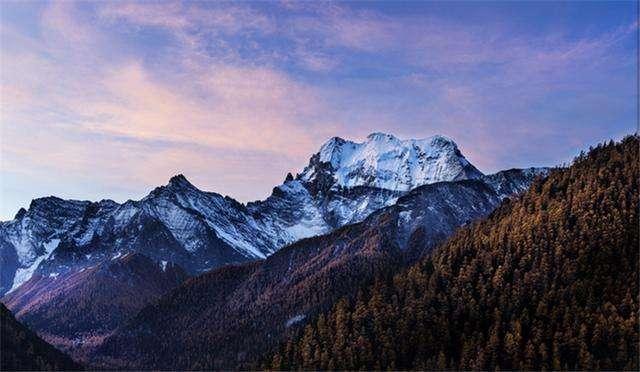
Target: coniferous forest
23,350
548,281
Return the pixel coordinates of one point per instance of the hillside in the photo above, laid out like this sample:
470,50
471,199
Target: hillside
74,311
548,281
23,350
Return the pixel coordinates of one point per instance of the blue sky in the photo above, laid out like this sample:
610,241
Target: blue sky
110,99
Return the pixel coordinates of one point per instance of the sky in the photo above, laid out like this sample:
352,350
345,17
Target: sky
110,99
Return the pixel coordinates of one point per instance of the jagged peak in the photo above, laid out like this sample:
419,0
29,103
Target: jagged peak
332,144
180,181
289,177
441,138
335,140
108,203
20,214
380,136
54,201
177,184
35,203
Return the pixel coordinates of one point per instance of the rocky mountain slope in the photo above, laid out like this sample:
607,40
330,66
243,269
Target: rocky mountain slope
23,350
386,162
77,309
53,254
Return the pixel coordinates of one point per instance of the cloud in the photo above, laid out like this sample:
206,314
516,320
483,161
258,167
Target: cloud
237,108
216,17
60,26
235,94
79,115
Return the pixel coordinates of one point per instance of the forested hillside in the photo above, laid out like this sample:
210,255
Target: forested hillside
548,281
22,350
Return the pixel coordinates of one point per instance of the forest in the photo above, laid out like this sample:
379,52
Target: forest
548,281
23,350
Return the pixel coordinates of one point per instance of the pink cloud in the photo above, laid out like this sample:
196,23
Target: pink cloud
69,107
182,17
243,108
223,124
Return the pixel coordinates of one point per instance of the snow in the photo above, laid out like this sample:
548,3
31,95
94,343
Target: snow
405,216
311,222
124,214
235,242
181,224
23,274
293,320
84,239
385,161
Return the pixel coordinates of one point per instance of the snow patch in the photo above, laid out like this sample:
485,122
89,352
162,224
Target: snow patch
25,273
293,320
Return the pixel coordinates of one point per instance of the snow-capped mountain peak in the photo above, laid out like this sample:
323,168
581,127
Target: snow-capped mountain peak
387,162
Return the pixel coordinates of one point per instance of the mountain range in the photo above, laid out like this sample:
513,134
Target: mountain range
75,271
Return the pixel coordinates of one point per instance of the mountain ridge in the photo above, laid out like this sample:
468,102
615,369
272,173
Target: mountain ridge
22,349
179,224
216,228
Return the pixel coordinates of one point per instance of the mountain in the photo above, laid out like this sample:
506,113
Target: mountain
175,223
386,162
226,318
23,350
343,183
52,250
31,237
547,281
77,309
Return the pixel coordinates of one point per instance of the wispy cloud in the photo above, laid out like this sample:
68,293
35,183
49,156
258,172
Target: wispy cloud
236,94
206,119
